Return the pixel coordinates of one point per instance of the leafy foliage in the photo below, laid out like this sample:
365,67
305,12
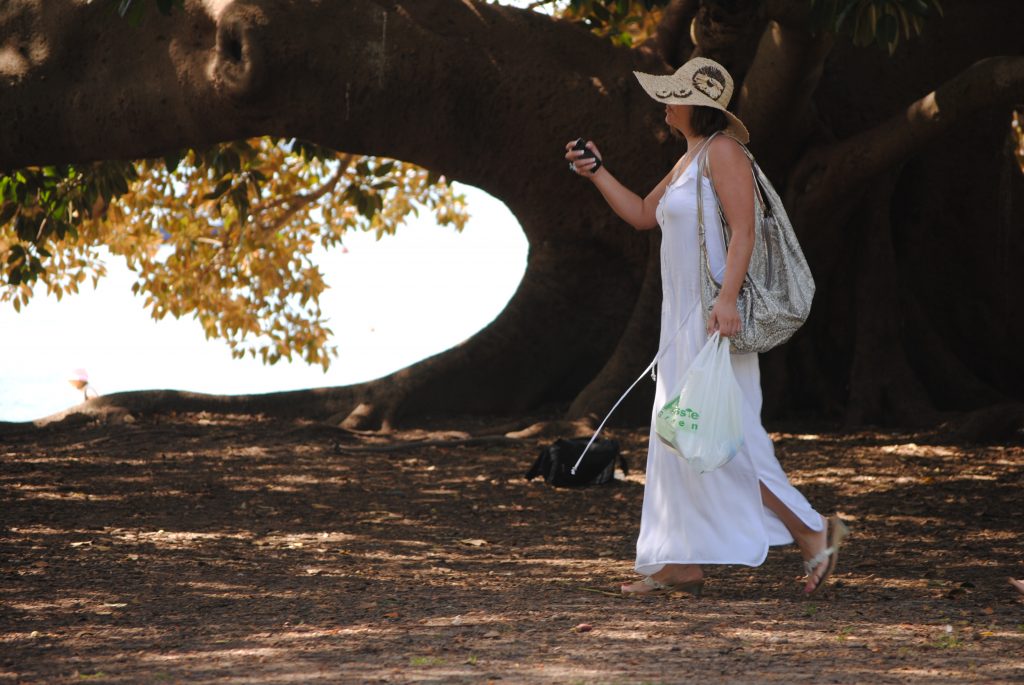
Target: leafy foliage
225,234
42,207
625,22
874,22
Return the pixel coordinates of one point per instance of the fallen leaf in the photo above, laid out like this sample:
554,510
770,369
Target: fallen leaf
476,542
83,542
583,628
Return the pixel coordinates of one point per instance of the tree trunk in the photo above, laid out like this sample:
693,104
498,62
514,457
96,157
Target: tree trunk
898,180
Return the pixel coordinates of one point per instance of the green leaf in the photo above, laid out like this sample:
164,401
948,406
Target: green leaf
16,254
888,31
7,212
132,11
363,205
219,190
172,160
25,228
119,183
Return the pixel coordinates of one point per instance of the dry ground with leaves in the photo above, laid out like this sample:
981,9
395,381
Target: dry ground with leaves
202,549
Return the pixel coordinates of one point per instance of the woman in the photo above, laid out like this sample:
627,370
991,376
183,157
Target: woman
733,514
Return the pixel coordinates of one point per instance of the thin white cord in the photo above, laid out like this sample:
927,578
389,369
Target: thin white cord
649,368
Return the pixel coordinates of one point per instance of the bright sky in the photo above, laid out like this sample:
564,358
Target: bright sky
391,303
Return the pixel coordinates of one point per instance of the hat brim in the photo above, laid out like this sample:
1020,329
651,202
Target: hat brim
670,90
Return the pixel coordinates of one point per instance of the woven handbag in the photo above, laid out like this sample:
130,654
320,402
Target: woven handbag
776,294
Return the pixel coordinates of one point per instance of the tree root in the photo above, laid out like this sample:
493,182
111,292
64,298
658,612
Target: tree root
419,444
998,423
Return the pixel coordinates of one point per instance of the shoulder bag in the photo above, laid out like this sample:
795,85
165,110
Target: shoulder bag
776,294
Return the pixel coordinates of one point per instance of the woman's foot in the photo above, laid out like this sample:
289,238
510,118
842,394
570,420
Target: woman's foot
814,543
821,551
685,577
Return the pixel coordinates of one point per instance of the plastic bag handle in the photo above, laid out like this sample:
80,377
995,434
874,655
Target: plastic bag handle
639,378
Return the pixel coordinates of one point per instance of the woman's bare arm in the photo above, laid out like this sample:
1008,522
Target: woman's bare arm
638,212
732,175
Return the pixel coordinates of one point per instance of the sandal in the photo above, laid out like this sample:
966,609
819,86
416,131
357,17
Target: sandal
837,532
693,587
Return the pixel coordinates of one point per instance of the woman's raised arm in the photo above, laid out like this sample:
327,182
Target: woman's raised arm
638,212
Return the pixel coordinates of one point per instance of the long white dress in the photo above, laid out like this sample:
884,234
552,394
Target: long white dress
716,517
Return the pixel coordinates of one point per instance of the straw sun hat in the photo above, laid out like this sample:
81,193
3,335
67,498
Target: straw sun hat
701,81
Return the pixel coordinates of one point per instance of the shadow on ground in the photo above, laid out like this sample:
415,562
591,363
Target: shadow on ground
240,549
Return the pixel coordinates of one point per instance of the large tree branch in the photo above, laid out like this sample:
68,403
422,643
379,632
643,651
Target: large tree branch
795,14
671,40
445,84
827,173
298,201
776,98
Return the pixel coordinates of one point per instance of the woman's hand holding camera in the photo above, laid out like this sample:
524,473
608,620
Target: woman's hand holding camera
583,156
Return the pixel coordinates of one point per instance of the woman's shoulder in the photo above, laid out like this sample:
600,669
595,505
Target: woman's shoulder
725,151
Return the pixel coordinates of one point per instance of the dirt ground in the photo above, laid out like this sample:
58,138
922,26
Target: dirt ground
234,549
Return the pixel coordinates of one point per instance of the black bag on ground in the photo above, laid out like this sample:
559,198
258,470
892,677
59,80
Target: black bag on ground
556,461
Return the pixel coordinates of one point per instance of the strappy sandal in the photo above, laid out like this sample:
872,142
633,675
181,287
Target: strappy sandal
837,532
693,587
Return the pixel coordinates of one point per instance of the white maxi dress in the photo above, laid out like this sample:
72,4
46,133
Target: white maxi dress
716,517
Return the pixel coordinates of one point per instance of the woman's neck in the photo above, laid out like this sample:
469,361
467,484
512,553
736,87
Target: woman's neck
693,141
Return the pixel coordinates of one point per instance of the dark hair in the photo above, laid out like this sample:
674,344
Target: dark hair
707,120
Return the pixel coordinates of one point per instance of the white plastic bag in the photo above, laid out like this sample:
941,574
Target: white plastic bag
703,420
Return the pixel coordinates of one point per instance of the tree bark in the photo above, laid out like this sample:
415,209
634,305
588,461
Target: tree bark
671,41
776,101
825,173
488,95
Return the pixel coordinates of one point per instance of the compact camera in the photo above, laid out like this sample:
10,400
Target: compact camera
581,144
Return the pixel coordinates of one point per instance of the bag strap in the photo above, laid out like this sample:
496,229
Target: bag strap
704,168
650,367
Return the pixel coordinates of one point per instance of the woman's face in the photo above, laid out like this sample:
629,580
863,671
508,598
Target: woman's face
678,117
